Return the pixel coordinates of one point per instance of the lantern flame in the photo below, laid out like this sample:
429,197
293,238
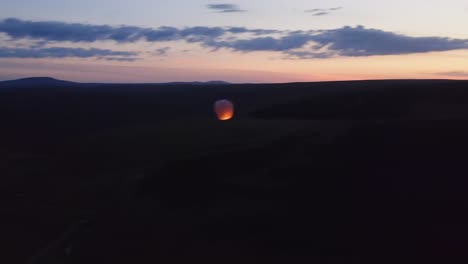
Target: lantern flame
224,110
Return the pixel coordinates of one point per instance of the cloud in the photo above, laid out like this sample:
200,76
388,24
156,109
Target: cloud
75,32
58,52
122,59
154,35
461,74
315,10
262,43
361,41
321,14
346,42
161,51
225,8
59,31
238,30
342,42
293,54
323,11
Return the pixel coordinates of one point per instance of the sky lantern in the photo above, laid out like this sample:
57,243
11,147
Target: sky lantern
224,109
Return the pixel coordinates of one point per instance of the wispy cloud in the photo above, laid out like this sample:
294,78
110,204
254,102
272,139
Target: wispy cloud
161,51
59,52
225,8
458,74
323,11
315,10
121,59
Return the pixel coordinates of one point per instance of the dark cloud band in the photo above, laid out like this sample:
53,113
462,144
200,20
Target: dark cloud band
346,41
75,32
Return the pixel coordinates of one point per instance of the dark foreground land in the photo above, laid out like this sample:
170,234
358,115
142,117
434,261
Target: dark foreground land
341,172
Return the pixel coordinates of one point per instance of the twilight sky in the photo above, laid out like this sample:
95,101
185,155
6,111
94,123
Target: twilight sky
236,41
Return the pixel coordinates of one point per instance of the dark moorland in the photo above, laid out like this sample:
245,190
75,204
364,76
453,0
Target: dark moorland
336,172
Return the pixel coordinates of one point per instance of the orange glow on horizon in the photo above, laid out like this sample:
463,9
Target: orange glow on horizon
232,68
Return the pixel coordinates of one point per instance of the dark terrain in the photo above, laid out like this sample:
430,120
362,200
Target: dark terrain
338,172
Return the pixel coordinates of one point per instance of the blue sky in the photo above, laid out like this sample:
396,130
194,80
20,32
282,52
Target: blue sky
415,16
359,39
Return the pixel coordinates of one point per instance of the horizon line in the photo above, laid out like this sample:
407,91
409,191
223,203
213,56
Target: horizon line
221,82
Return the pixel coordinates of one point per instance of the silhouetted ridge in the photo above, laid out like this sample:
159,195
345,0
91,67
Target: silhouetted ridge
37,81
48,81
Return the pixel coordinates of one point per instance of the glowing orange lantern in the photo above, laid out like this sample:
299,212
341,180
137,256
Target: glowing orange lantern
224,109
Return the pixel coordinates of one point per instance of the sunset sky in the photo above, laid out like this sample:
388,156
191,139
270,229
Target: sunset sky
235,41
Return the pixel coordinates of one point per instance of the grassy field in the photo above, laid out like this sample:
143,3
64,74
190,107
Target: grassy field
321,173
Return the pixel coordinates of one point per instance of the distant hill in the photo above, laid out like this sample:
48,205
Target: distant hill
198,83
48,81
37,81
